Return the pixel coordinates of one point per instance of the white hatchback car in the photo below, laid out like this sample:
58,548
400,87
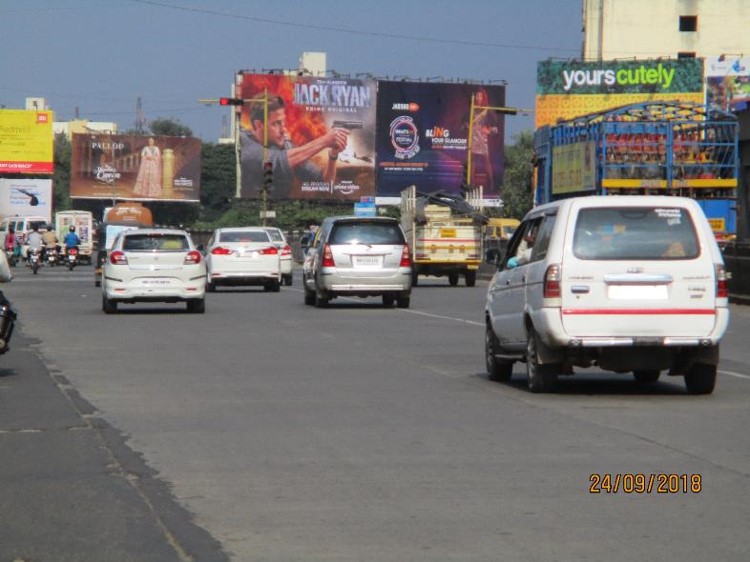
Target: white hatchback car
154,265
285,253
624,283
243,256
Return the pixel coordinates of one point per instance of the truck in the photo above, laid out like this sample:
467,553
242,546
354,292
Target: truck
84,223
123,216
444,233
649,148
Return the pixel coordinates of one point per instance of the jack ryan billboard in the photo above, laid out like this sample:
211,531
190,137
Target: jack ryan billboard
568,89
135,167
320,137
423,137
26,142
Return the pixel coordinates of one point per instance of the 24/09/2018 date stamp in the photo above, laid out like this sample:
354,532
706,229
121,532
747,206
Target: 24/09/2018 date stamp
662,483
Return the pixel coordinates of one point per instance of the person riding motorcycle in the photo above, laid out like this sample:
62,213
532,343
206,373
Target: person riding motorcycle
71,239
50,238
35,241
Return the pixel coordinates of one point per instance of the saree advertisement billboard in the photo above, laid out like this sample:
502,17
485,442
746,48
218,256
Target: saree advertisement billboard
135,167
568,89
26,142
316,133
423,137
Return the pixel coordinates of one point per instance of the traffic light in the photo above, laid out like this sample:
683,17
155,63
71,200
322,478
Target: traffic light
231,101
267,175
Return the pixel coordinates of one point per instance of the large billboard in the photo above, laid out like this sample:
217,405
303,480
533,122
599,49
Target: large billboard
26,197
26,142
568,89
728,83
319,137
135,167
423,137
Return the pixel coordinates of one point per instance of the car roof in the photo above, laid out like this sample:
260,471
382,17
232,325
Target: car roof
242,229
142,231
614,201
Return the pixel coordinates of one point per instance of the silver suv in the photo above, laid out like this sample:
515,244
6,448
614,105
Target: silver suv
359,257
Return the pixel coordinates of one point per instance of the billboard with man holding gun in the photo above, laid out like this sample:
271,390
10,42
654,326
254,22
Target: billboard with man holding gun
318,133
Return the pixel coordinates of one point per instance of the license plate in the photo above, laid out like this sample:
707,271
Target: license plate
637,292
447,233
155,282
248,254
366,261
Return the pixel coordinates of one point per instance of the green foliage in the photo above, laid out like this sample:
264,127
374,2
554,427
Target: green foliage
61,177
170,128
517,191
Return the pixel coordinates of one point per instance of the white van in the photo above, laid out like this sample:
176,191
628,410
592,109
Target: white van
624,283
22,226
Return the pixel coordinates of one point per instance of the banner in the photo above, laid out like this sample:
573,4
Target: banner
728,83
568,89
423,137
26,197
135,167
319,138
26,142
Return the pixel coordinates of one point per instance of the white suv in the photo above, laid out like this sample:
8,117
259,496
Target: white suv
625,283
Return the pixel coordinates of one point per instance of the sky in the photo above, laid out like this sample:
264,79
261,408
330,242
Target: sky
100,56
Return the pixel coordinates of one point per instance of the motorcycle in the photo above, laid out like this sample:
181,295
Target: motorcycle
12,257
51,259
72,257
35,259
7,322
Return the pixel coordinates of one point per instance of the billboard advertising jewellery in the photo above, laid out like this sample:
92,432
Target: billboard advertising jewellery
423,137
26,142
135,167
319,137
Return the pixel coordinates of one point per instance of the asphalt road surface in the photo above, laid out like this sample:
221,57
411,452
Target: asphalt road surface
269,430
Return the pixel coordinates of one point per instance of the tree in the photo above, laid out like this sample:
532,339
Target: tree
61,177
517,183
170,128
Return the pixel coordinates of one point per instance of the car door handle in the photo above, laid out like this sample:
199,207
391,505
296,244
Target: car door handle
580,289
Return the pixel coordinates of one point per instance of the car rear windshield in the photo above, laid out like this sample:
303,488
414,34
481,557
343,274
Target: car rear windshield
635,233
150,242
366,233
275,235
244,236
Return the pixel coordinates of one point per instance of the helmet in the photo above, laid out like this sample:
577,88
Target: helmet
72,228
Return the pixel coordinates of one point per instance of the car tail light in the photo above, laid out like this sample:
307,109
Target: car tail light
286,251
221,251
118,258
193,257
327,257
272,251
552,282
405,257
722,291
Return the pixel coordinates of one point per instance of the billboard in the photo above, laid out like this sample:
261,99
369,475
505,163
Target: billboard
423,137
135,167
320,137
26,197
26,142
568,89
728,83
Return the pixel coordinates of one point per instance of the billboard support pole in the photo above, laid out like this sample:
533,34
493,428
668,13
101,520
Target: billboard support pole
264,189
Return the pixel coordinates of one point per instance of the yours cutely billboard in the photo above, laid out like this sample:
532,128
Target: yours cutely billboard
319,137
425,135
567,89
135,167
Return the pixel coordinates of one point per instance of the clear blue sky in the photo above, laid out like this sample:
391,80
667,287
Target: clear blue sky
101,55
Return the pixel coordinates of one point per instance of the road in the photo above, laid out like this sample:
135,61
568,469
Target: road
357,433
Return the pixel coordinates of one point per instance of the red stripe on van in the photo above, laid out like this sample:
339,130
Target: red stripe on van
640,311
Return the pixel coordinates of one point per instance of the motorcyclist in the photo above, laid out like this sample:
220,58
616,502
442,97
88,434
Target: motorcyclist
71,239
35,241
50,238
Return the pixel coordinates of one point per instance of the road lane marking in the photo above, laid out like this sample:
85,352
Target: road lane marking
733,374
441,317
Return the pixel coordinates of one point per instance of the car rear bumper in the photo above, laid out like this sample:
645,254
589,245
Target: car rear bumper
244,278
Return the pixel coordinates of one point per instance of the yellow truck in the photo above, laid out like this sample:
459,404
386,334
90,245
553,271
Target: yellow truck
444,233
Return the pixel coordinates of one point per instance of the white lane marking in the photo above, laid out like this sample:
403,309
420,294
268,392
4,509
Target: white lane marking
733,374
441,317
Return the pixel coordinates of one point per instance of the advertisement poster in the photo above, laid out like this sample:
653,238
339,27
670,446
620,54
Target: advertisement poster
423,137
728,83
568,89
26,197
319,137
26,142
135,167
574,168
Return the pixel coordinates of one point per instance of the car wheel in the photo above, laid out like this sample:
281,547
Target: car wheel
453,279
388,300
414,278
196,306
108,306
497,369
309,297
210,287
321,302
471,278
541,377
403,302
288,280
700,379
646,376
97,283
